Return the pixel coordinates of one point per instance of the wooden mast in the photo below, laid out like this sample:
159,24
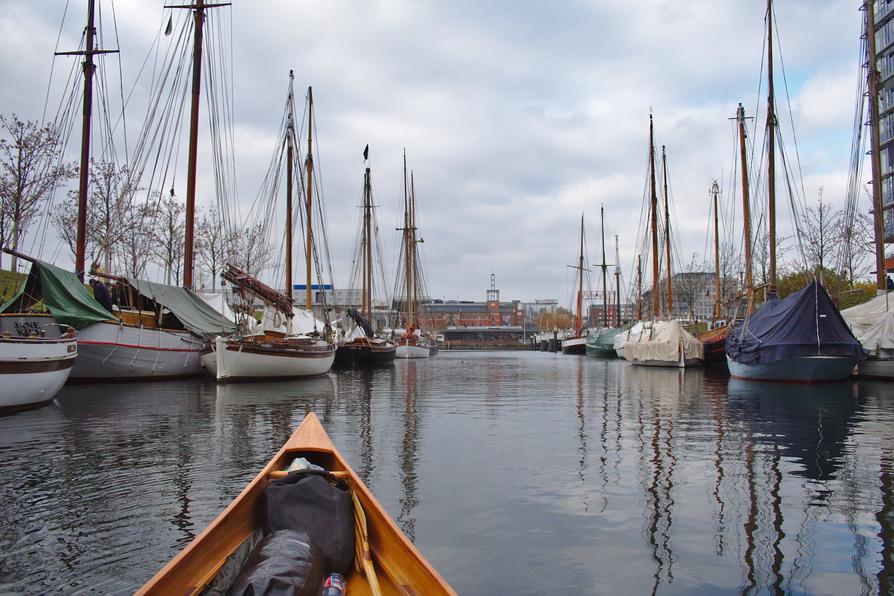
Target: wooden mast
413,247
309,167
656,298
89,69
367,247
771,151
198,7
604,286
667,238
639,287
617,283
874,77
746,210
718,300
290,142
198,27
578,320
407,263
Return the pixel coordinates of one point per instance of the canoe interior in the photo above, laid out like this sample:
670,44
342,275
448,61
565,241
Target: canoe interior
400,568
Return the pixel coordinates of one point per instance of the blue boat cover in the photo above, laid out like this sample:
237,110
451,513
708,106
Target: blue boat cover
805,323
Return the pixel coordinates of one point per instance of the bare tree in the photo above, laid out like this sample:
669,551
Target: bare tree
169,233
214,244
822,233
253,251
65,220
140,239
857,246
109,212
29,169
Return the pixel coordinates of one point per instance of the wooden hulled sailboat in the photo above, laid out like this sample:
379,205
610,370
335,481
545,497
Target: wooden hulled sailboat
714,338
273,354
602,342
662,343
411,343
873,322
139,340
365,348
801,338
577,343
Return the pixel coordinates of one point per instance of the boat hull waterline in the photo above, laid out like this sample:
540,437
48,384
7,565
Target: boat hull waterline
115,351
575,346
33,370
406,350
232,360
360,354
806,369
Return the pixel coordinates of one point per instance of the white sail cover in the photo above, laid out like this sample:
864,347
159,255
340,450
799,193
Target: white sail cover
303,322
872,323
628,335
218,301
660,341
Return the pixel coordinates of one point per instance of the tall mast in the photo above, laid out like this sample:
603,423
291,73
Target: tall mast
198,27
874,76
771,151
198,7
667,238
309,167
89,69
639,287
718,301
407,243
367,247
578,321
746,209
656,298
290,142
604,286
413,246
617,283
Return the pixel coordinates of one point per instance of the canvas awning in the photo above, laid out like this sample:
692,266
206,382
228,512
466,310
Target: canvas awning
194,313
67,299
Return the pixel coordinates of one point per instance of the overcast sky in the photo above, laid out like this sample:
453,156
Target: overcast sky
517,116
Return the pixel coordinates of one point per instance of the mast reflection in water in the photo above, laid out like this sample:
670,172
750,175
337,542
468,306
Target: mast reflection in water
513,472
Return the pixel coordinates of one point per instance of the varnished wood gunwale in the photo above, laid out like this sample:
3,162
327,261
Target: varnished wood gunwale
401,567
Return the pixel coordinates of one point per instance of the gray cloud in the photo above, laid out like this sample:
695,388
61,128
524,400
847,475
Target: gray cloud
516,117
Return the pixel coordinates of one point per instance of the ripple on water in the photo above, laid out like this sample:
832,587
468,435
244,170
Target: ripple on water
513,472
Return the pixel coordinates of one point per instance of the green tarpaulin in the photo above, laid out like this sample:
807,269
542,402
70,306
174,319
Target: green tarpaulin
195,314
67,299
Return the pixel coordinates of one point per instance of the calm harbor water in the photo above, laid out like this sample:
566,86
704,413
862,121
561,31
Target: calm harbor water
514,473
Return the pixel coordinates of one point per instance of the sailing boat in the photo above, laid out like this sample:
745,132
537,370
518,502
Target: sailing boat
714,338
577,344
602,343
662,343
801,338
873,322
412,343
366,348
274,354
160,330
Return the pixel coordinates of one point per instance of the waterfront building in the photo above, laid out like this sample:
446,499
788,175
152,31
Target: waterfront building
884,44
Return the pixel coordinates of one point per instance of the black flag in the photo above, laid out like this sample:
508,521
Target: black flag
366,152
170,26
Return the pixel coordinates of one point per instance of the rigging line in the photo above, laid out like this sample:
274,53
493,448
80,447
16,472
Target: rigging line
46,101
789,106
120,80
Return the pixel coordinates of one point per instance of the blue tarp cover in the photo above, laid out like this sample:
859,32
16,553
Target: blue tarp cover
805,323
